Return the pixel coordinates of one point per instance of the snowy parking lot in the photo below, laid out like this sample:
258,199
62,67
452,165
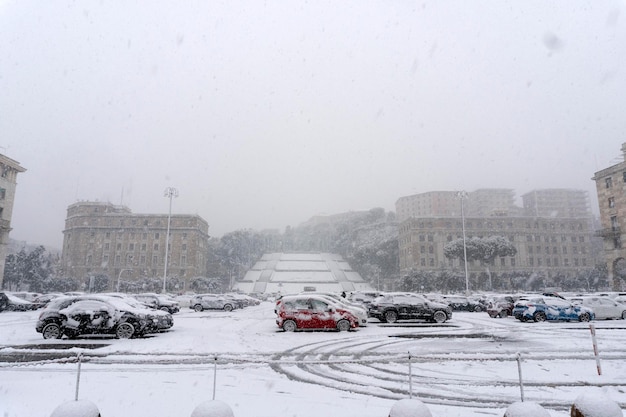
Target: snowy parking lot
467,367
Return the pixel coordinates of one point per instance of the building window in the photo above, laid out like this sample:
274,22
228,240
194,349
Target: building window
611,202
431,262
183,261
144,236
423,262
608,182
107,235
155,260
117,260
624,176
131,246
156,235
143,247
3,193
512,261
156,246
105,261
88,259
614,223
184,246
502,262
118,246
142,259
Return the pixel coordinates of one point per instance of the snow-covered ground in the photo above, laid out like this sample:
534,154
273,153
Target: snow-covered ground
465,368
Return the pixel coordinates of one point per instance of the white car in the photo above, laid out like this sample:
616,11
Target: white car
603,307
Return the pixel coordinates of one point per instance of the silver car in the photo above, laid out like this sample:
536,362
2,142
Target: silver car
211,302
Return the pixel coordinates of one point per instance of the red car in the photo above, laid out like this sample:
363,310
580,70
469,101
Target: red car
310,312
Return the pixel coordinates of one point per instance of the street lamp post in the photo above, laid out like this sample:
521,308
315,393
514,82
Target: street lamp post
118,278
462,195
170,192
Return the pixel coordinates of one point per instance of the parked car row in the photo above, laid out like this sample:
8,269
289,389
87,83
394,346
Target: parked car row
121,317
552,306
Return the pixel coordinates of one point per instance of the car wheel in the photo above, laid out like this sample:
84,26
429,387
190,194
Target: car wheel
391,316
228,307
198,307
289,326
624,315
51,331
584,317
440,316
125,331
165,309
503,314
343,325
539,316
478,309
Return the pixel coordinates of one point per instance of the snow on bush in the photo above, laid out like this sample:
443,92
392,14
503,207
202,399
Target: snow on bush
526,409
595,404
213,408
409,408
78,408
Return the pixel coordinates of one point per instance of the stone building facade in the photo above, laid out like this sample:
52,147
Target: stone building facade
106,239
8,183
611,189
553,247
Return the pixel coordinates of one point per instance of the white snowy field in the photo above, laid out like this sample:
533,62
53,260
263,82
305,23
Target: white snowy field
467,368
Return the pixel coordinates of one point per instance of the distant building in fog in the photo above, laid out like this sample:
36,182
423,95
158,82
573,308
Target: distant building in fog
611,189
8,183
484,202
106,239
553,233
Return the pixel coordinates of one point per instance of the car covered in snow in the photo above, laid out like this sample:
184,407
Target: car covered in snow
93,315
604,308
390,307
11,302
158,302
500,306
212,302
551,309
462,303
313,312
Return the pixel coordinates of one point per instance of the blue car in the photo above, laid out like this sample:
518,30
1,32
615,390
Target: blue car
551,308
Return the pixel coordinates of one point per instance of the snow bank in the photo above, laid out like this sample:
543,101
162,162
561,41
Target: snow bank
595,404
79,408
213,408
527,409
409,408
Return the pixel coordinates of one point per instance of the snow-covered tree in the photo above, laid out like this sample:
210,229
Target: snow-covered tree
485,250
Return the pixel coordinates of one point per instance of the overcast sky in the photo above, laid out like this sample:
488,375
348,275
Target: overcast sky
263,114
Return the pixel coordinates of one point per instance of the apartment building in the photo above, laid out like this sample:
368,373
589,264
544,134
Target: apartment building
554,246
481,203
611,189
9,169
106,239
